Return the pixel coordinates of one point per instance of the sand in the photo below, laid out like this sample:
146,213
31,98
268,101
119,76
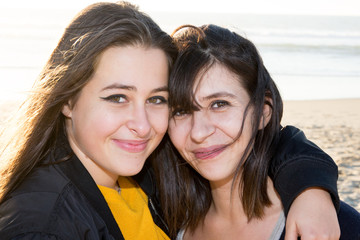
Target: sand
334,125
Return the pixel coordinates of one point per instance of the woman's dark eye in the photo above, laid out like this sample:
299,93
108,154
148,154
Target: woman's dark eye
219,104
179,113
116,98
157,100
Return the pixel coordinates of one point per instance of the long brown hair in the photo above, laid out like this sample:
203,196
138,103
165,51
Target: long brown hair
186,195
68,70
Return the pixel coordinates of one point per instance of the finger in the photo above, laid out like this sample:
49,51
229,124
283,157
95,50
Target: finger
291,233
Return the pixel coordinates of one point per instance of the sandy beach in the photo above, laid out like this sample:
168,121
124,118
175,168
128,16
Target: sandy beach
334,125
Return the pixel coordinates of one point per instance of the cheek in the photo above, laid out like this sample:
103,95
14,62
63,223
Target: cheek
107,123
177,133
228,122
245,136
159,120
98,121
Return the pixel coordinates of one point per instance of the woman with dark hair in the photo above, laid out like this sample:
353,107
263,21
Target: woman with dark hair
225,124
75,167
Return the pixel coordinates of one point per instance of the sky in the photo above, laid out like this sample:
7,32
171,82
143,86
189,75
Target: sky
313,7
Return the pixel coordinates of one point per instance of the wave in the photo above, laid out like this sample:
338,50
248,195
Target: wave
302,32
275,37
321,48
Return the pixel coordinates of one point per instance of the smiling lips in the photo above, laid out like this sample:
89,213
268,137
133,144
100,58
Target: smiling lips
132,146
210,152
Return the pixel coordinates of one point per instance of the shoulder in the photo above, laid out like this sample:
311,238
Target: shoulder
305,164
293,141
349,220
46,202
295,150
31,204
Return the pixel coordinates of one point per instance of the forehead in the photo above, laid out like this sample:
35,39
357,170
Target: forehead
132,65
217,78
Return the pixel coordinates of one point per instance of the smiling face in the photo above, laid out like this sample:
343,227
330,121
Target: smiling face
121,114
208,139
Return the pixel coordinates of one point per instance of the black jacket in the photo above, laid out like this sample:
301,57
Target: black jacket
299,164
62,201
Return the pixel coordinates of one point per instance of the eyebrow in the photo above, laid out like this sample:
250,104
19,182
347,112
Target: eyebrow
133,88
160,89
217,95
119,86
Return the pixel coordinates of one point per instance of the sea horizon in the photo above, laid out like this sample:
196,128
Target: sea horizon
309,57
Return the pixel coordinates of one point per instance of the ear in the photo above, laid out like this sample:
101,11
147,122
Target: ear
267,112
67,110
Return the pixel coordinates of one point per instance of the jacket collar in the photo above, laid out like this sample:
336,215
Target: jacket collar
80,177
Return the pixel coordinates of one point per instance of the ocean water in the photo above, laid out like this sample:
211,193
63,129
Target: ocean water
309,57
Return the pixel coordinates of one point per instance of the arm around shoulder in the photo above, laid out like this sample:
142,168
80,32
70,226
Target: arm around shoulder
299,164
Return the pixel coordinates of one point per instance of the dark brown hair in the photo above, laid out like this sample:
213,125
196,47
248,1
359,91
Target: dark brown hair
71,65
186,195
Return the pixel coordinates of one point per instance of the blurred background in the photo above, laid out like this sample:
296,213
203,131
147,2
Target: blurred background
311,48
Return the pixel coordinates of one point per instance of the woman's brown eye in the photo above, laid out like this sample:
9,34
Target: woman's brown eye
157,100
117,98
219,104
179,112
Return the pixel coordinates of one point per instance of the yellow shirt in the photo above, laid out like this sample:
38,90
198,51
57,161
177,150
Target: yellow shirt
131,212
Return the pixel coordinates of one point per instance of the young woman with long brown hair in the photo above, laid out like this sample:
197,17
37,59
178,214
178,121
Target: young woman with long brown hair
96,113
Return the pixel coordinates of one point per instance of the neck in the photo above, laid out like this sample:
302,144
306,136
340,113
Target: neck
227,200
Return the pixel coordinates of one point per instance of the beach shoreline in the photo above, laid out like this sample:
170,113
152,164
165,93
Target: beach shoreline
333,125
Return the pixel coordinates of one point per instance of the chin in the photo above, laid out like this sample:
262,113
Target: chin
131,171
214,176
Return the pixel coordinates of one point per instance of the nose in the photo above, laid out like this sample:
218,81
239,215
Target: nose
138,122
202,127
